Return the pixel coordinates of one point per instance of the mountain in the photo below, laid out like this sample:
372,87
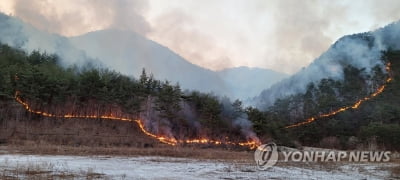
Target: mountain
16,33
249,82
359,111
362,51
43,87
348,98
129,52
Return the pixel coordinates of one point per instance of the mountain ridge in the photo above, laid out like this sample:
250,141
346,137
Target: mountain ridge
361,50
127,52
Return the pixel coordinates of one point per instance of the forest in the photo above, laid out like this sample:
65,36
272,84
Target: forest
168,110
375,123
165,109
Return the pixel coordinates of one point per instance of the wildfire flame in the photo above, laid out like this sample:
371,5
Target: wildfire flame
354,106
252,144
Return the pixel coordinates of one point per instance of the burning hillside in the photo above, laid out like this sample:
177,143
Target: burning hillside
354,106
161,110
164,139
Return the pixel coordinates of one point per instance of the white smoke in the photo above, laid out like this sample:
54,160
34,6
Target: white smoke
238,118
16,33
359,50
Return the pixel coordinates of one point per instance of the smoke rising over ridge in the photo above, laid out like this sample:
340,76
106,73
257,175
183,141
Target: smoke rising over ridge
359,50
128,52
69,18
218,34
15,33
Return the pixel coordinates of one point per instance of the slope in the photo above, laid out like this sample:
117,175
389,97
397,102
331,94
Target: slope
129,52
362,51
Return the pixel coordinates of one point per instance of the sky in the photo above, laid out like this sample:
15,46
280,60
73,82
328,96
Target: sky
282,35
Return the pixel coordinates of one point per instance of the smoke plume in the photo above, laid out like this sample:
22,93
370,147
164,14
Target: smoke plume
360,50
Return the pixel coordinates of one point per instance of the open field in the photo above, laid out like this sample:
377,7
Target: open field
218,164
197,153
156,167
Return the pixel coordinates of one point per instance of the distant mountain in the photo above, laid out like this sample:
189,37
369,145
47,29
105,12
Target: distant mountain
249,82
129,52
362,51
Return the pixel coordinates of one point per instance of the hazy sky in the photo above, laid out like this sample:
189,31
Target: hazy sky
283,35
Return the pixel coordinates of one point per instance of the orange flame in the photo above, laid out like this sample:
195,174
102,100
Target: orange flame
354,106
252,144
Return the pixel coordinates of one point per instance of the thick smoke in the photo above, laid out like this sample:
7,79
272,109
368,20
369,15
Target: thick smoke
238,118
233,116
246,127
74,18
260,33
359,50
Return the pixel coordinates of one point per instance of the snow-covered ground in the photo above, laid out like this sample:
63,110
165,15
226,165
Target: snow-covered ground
184,168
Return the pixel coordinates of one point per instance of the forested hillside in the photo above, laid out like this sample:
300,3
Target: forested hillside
164,108
374,122
360,51
169,111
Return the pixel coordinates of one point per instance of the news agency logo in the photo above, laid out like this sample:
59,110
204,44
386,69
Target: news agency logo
266,156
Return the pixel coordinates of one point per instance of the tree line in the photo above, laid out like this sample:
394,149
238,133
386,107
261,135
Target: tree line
375,122
90,90
188,114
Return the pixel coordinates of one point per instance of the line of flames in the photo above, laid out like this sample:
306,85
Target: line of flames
163,139
354,106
